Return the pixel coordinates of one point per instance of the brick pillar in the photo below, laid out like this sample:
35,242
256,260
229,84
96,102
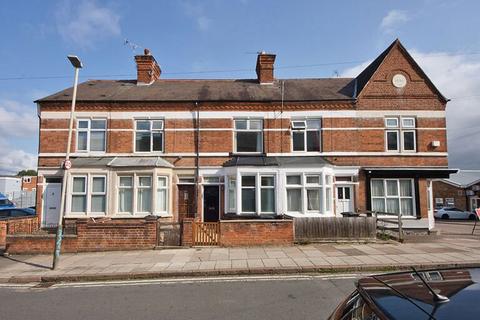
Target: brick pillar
187,232
3,234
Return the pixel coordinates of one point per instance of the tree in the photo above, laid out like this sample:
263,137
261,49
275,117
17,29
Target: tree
29,172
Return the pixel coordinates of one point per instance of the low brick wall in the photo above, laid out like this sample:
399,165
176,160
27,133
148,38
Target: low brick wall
256,232
17,225
106,235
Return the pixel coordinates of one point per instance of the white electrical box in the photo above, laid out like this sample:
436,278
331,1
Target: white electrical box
435,143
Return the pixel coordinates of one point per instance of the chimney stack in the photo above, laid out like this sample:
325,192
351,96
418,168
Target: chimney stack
148,69
264,68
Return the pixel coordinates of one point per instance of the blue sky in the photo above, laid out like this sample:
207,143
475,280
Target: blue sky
192,38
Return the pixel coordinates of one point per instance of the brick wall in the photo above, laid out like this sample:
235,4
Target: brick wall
256,232
3,233
111,235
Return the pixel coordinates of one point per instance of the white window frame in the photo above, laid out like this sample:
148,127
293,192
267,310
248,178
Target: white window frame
131,187
248,129
88,193
261,187
399,197
83,193
89,130
151,131
325,183
401,128
92,193
305,129
231,185
138,187
254,187
167,194
449,202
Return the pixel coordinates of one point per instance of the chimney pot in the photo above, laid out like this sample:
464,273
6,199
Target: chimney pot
147,52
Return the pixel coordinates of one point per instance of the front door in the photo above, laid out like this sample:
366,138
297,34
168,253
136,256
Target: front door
211,203
51,204
186,201
474,203
344,199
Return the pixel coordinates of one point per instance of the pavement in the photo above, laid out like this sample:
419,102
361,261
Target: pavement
209,261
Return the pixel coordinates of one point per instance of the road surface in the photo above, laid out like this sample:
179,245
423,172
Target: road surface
279,297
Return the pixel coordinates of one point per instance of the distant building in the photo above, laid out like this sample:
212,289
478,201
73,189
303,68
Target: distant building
29,183
461,190
9,184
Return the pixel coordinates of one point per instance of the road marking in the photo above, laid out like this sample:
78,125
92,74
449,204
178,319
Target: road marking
191,280
207,280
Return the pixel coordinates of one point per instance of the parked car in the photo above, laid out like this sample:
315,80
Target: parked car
5,203
431,294
454,213
6,213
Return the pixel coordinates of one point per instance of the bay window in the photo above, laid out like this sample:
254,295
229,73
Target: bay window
400,134
149,136
306,135
91,135
248,135
141,194
89,194
393,196
257,194
309,193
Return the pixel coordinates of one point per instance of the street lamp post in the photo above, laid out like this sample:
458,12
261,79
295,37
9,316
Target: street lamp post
77,64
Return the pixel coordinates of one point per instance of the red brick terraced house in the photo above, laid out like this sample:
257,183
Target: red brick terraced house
256,148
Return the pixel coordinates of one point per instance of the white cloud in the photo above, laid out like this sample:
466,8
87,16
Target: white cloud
12,161
393,19
458,78
85,23
197,12
17,122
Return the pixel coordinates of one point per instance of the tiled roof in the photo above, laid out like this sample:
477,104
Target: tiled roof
210,90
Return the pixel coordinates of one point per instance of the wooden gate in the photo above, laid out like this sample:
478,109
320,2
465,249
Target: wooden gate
206,233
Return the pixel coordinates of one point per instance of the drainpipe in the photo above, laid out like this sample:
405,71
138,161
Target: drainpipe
197,158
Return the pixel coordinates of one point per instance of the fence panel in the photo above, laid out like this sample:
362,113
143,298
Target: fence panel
334,228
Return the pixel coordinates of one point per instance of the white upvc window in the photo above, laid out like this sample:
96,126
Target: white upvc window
309,193
231,194
248,136
149,135
267,194
98,194
257,194
400,134
249,202
306,135
89,194
125,194
144,194
162,194
79,194
393,196
91,135
294,189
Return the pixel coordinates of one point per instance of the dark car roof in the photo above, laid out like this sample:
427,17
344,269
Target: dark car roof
404,296
171,90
